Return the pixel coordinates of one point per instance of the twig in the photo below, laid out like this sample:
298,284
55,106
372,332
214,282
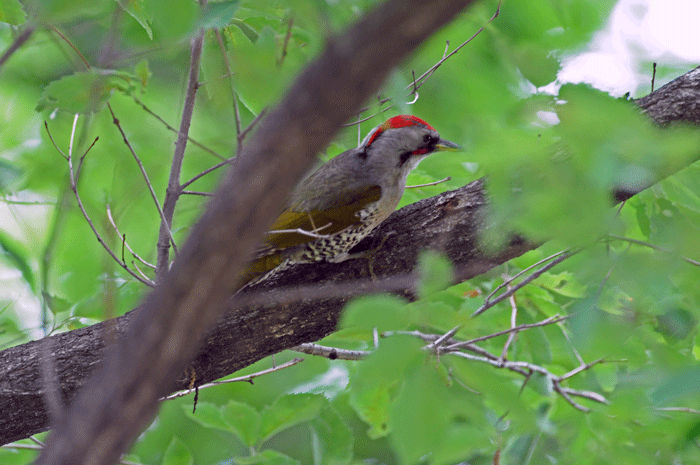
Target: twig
430,71
462,344
207,171
513,324
580,368
16,44
286,42
249,378
506,282
417,83
172,129
229,74
448,178
116,122
653,76
252,124
488,304
74,188
655,247
116,229
173,191
302,231
678,409
331,352
203,194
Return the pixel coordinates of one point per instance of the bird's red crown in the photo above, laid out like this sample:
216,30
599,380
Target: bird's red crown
396,122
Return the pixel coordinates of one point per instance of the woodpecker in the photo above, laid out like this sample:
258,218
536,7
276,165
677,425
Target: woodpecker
341,202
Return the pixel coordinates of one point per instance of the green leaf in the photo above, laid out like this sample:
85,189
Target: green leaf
177,453
266,457
84,92
13,252
333,438
289,410
9,174
435,272
679,385
208,415
11,12
218,15
136,8
243,420
384,312
379,377
141,70
245,29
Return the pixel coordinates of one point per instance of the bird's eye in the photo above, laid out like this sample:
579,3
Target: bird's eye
427,138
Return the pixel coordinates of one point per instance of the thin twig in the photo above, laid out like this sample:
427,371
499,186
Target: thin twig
172,129
430,71
116,229
74,188
253,123
248,378
286,42
229,75
513,278
525,282
16,44
203,194
331,352
448,178
116,122
655,247
417,83
513,324
462,344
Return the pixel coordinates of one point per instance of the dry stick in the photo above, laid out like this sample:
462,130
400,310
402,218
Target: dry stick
242,136
138,161
203,194
462,344
170,128
513,278
523,368
16,44
286,41
417,83
525,282
655,247
435,183
427,74
513,324
116,229
249,378
169,233
173,191
236,110
74,188
330,352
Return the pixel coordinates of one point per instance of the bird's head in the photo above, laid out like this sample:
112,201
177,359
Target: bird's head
401,142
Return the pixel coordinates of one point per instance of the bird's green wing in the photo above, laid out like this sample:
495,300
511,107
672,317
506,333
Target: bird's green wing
335,217
338,215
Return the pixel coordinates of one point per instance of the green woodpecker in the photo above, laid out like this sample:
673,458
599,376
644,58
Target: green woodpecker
346,198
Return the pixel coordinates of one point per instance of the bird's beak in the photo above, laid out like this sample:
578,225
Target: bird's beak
447,146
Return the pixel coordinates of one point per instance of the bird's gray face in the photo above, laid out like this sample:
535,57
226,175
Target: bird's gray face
398,151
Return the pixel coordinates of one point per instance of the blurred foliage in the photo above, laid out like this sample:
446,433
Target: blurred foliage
633,305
